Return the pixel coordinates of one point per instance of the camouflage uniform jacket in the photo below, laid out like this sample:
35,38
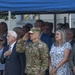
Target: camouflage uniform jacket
36,56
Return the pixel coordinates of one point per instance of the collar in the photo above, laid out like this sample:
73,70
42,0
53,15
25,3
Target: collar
12,45
40,34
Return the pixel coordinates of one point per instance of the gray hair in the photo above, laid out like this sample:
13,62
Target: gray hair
69,31
63,35
13,33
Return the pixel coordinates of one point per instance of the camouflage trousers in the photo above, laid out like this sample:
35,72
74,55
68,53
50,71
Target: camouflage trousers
35,74
34,71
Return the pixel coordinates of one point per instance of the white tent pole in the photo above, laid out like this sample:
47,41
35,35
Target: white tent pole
70,20
9,20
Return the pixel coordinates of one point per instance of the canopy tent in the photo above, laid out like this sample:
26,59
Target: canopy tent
37,6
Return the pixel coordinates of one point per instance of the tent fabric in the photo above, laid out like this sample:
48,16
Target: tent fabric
37,5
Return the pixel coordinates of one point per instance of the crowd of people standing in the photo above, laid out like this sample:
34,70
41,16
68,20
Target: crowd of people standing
36,50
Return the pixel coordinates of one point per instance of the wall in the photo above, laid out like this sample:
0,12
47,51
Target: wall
19,22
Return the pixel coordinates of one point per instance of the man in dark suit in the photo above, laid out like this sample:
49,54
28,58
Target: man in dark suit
70,35
72,55
44,37
13,64
22,56
48,30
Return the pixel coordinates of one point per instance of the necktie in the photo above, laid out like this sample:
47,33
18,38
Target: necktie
9,49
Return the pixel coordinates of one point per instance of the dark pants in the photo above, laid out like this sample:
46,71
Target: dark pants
47,71
25,73
1,72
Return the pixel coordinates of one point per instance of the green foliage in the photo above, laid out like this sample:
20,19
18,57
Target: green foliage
5,17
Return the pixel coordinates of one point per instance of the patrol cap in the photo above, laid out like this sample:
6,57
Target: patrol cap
34,30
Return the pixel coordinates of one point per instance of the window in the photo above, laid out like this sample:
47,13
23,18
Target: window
31,16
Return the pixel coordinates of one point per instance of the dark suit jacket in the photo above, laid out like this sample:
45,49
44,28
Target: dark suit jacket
72,55
72,42
14,64
46,39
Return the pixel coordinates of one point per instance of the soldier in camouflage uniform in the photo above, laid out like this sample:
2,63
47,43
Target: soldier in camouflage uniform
36,53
